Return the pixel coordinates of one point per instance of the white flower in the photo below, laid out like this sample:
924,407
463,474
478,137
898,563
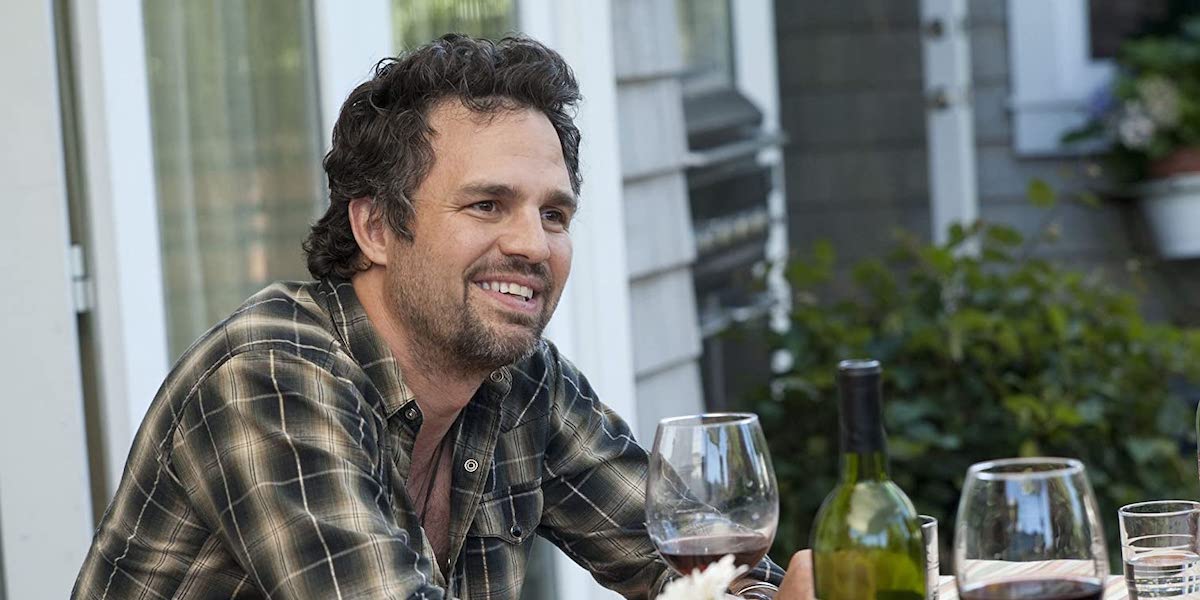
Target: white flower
709,584
1160,98
1135,128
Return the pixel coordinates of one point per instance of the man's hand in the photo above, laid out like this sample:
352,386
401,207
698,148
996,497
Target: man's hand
797,584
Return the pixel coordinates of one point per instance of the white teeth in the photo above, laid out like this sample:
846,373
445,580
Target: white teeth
524,292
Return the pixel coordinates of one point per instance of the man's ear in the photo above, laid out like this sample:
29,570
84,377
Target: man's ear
370,230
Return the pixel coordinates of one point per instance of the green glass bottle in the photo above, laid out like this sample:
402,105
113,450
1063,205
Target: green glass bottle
867,539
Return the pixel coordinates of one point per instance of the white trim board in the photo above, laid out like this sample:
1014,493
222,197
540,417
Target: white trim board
45,502
122,205
1052,72
757,76
949,124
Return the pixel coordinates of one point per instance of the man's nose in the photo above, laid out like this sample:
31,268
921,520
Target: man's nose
525,236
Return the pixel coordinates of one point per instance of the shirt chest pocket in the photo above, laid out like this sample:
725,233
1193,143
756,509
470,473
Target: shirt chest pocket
510,515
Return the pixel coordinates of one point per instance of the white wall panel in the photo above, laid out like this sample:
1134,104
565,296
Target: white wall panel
658,225
665,331
45,508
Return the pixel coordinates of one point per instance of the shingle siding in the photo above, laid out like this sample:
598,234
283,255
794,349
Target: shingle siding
851,102
661,248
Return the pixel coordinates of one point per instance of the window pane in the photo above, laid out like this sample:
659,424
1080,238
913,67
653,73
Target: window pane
418,21
705,32
1111,21
237,150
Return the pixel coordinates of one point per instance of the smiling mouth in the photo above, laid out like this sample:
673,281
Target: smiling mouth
521,292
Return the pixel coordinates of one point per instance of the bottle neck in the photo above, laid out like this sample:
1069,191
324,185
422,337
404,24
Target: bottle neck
862,440
864,466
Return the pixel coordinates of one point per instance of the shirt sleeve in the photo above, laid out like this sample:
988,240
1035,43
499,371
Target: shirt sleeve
285,462
595,496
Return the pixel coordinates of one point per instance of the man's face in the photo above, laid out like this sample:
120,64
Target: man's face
490,251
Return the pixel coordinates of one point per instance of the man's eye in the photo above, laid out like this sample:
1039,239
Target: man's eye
555,216
485,206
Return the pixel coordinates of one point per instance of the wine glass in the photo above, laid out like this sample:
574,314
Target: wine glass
1028,528
711,491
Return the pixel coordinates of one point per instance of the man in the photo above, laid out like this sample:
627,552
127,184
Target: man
397,428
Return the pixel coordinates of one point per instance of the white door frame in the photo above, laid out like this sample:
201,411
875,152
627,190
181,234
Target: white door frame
45,502
122,212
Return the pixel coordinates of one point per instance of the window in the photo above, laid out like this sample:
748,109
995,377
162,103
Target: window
1057,62
1060,53
705,34
734,191
237,151
1111,21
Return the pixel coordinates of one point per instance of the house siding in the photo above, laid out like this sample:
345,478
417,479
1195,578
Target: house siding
659,239
1110,238
851,104
851,100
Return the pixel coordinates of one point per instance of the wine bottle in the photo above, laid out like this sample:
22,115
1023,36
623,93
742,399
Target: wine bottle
866,540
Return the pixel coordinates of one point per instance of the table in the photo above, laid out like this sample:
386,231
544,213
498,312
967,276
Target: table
1114,589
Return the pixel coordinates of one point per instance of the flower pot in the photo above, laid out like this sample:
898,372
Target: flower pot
1180,162
1171,207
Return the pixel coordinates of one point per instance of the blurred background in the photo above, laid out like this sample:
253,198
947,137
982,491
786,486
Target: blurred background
748,165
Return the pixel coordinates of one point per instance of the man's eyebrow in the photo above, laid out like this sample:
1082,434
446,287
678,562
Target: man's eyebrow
564,200
488,189
503,190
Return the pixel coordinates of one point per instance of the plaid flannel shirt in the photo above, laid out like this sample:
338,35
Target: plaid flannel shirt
272,465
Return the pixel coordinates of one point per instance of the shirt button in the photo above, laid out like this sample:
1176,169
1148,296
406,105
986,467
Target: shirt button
471,465
497,376
411,413
516,531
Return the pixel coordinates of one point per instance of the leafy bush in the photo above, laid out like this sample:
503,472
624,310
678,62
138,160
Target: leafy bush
1152,107
989,351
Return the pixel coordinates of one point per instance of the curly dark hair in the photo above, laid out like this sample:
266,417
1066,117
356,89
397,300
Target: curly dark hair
381,141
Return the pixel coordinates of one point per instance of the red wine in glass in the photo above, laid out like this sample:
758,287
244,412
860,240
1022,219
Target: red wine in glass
1036,589
710,491
697,552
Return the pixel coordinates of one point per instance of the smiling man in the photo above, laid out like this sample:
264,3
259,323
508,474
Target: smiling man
397,428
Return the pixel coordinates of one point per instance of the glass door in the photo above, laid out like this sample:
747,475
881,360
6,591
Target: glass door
237,151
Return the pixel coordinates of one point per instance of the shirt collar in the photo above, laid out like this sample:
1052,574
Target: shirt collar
364,344
368,349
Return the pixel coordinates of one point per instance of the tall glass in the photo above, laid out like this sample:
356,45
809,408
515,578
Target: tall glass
711,491
1160,548
1028,528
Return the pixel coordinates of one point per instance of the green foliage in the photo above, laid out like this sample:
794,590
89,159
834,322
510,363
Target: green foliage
1152,108
988,352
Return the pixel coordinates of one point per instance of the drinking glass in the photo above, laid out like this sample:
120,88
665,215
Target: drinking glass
929,536
1159,549
1028,528
711,491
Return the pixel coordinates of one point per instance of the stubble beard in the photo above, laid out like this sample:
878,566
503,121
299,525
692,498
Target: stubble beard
456,338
